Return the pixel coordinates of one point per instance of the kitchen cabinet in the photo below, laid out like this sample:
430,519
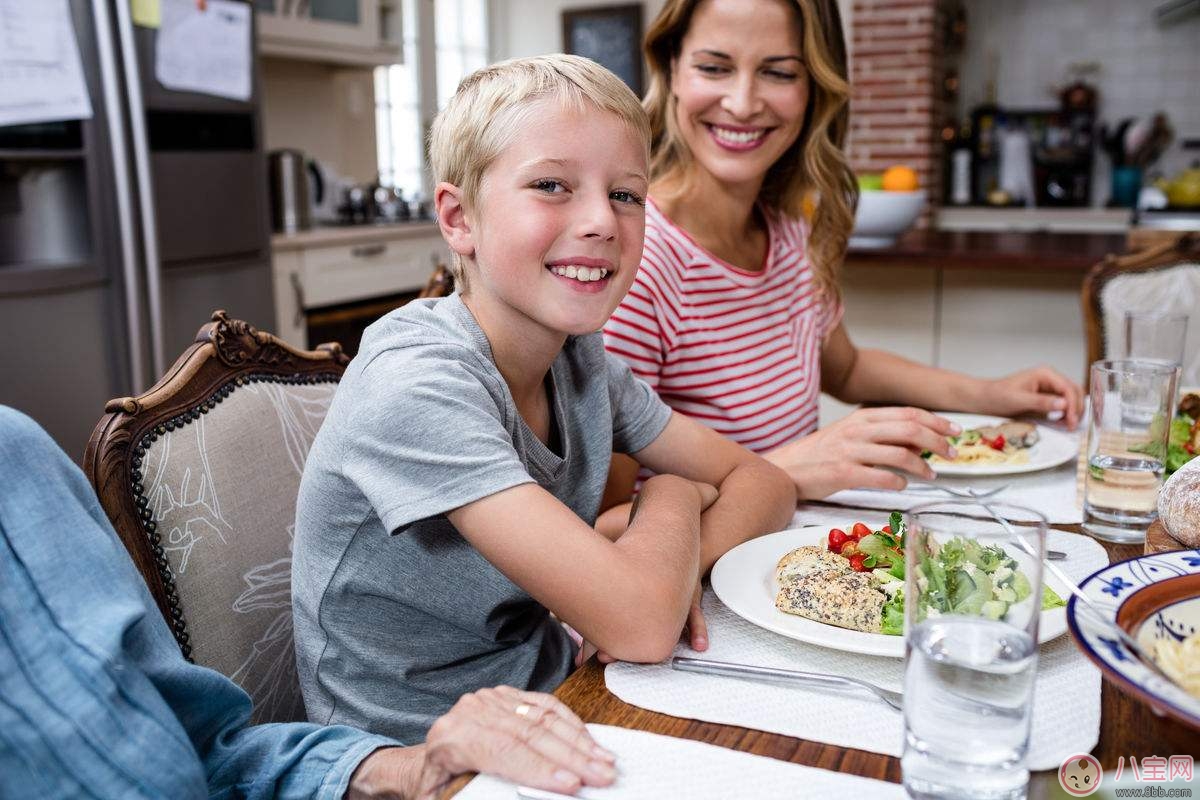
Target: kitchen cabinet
352,32
332,267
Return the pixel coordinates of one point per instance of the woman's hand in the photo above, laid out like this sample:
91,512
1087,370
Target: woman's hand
525,737
1040,390
853,452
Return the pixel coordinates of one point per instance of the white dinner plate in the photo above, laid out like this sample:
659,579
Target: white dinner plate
1052,449
744,579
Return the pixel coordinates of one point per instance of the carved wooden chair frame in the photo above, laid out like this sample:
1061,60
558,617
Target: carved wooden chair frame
226,355
1159,257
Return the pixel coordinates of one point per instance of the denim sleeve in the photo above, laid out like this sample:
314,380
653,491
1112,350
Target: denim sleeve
95,698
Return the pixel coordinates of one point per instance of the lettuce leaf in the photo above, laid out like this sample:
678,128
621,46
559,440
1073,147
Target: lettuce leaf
893,616
1050,599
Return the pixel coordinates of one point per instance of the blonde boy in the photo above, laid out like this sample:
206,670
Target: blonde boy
447,503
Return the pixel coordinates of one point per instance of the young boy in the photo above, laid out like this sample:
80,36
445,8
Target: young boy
447,503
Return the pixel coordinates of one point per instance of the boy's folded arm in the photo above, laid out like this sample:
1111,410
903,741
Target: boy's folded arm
756,497
631,597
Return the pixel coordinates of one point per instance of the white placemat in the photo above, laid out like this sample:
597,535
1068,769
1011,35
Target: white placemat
1050,492
654,766
1066,710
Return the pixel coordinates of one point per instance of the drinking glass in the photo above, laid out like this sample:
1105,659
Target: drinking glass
972,590
1132,403
1155,336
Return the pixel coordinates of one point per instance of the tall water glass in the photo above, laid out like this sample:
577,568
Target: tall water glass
1155,336
1132,403
972,592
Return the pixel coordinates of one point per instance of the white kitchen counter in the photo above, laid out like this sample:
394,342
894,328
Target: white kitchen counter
332,235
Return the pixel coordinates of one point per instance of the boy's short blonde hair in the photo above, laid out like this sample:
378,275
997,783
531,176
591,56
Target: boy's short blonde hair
489,107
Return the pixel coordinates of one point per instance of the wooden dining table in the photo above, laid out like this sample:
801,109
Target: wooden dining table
1128,727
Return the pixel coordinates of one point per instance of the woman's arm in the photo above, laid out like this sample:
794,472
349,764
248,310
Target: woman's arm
629,597
876,376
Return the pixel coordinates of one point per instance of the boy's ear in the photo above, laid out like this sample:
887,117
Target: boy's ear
452,219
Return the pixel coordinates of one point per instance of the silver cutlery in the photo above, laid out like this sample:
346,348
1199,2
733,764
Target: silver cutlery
933,487
685,664
976,494
1097,614
530,793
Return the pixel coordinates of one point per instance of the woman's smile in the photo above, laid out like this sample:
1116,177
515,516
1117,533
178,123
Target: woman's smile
737,138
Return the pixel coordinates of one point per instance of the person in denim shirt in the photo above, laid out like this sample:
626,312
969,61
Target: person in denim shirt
97,701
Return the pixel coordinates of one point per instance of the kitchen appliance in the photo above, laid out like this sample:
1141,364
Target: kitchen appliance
325,192
121,233
1063,149
291,201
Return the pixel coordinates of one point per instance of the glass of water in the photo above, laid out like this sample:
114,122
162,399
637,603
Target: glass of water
972,601
1132,404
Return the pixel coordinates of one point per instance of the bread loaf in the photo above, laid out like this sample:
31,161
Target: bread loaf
1179,504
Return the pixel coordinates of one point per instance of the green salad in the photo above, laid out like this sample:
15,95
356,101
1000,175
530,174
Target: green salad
960,576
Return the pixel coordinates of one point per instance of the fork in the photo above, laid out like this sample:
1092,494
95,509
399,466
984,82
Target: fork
976,494
701,665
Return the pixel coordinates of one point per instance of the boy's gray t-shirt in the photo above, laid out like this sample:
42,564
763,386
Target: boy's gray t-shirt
396,615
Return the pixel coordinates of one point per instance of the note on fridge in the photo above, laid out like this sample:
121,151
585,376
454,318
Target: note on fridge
41,75
205,51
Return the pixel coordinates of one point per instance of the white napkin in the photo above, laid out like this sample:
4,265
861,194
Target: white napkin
654,766
1066,708
1050,492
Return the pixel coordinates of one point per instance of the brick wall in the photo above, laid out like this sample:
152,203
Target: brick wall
896,75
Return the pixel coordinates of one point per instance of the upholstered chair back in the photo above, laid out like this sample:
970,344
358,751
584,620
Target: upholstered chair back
1164,279
200,477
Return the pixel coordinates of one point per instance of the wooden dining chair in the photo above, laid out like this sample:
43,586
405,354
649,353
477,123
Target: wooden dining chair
199,476
1163,278
440,283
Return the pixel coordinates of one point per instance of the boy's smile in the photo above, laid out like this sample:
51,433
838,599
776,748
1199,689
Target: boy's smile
558,225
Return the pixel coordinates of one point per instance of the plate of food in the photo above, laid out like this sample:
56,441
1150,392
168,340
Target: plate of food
841,586
998,446
1156,599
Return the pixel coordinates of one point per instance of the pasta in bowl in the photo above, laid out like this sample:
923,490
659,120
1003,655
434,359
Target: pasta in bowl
1156,599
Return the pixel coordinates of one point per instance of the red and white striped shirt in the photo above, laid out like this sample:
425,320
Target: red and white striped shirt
738,350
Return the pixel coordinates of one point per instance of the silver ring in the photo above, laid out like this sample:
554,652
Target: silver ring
523,710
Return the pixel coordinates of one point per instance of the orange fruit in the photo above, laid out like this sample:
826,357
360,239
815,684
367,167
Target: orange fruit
808,206
900,179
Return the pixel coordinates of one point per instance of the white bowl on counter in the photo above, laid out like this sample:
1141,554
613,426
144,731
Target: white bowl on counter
882,216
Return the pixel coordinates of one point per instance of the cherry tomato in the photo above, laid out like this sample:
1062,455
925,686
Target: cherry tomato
849,548
887,529
856,562
995,444
859,531
837,538
1188,446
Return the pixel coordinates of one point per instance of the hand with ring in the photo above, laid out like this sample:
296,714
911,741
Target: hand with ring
525,737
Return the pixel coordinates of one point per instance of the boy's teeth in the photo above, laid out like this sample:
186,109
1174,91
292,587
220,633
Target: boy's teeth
737,137
584,274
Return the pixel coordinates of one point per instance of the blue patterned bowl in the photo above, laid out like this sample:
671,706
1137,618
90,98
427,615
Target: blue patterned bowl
1151,597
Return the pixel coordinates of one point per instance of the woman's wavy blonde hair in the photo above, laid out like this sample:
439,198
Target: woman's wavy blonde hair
814,166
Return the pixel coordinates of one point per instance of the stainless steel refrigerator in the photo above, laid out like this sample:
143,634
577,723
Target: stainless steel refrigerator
120,234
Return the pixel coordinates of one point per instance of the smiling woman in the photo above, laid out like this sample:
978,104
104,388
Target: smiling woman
735,316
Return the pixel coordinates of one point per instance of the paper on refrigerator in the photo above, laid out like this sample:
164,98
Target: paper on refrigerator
41,74
205,51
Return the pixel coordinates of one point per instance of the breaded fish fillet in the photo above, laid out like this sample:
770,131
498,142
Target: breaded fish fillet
806,560
847,600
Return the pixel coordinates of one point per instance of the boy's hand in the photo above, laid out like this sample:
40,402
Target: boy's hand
696,628
708,494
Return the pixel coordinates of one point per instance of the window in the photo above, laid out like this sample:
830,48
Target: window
461,43
398,114
405,100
